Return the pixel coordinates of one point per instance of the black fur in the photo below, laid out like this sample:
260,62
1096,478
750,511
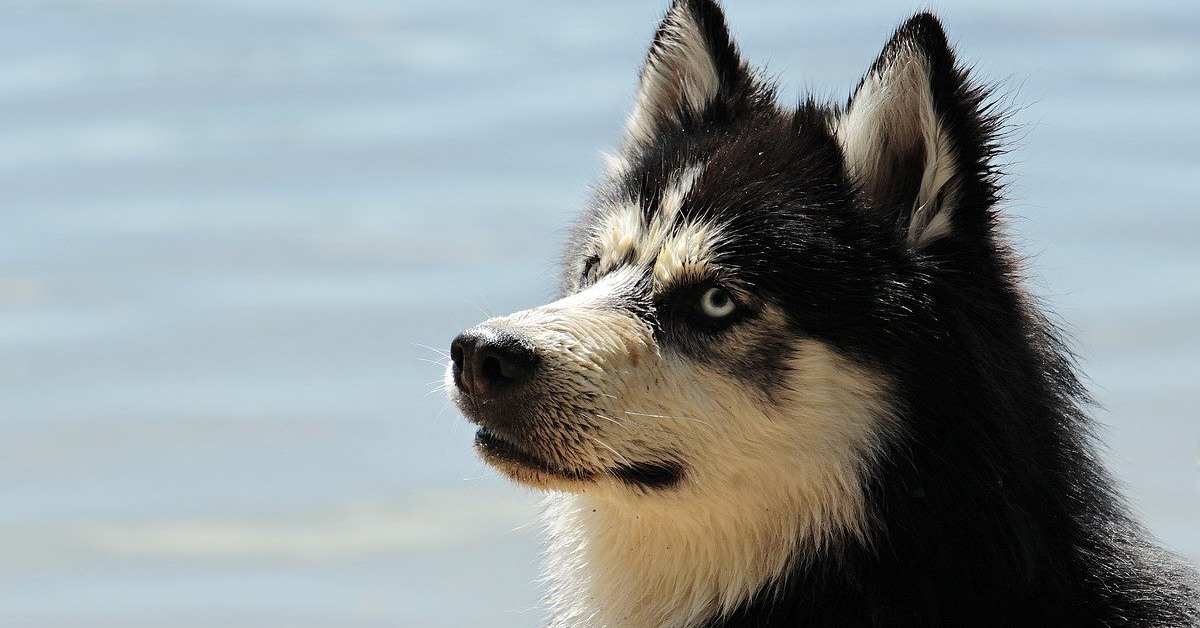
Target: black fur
989,505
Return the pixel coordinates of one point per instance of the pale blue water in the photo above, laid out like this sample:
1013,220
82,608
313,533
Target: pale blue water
227,228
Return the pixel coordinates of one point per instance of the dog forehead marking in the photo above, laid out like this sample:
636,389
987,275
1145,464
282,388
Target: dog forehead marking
689,251
618,234
672,198
671,246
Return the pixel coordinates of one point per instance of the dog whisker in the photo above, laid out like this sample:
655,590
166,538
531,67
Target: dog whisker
441,363
641,426
608,447
444,354
611,420
486,313
667,416
438,388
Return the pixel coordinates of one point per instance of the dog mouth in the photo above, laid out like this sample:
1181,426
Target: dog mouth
512,459
506,455
654,475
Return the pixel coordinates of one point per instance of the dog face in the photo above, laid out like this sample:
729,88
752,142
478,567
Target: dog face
728,296
680,356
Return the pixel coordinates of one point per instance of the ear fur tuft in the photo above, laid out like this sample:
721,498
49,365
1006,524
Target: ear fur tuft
693,69
917,136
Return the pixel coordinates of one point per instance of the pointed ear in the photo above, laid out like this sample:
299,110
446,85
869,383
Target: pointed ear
692,71
917,136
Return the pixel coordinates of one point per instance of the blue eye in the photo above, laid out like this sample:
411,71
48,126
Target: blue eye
716,303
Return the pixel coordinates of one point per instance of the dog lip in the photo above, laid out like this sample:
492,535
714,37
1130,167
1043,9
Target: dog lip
655,475
497,450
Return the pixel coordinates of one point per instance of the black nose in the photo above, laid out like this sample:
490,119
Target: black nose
487,359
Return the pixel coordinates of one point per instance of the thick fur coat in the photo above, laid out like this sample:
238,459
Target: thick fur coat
794,379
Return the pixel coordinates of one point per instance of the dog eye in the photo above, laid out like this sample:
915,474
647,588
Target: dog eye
716,303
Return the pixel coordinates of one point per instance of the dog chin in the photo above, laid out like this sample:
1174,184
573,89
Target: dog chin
530,470
526,468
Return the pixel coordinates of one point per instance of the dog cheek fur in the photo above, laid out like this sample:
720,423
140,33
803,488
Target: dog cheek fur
765,485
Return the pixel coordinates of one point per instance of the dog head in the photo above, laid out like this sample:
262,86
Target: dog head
737,298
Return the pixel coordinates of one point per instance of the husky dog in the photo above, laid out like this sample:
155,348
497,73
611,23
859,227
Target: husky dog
793,378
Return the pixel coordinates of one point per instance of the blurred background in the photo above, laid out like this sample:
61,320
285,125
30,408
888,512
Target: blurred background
236,234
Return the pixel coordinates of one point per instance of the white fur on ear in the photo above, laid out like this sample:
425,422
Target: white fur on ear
891,132
614,165
679,75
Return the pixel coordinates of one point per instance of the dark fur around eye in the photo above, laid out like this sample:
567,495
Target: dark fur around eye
681,306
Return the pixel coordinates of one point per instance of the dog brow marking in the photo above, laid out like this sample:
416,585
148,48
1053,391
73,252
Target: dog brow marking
617,236
688,252
658,241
